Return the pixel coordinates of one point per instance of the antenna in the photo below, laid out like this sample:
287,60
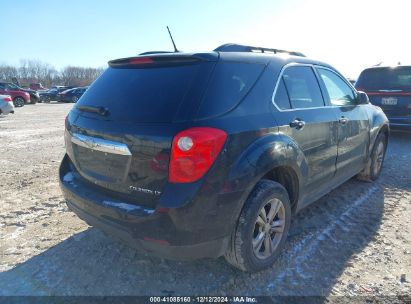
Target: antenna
172,40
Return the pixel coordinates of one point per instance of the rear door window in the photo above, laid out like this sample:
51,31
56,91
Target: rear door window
302,87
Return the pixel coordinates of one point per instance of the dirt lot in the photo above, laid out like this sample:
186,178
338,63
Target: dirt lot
354,241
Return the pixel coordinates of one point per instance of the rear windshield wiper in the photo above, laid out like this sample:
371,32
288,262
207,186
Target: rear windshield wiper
94,109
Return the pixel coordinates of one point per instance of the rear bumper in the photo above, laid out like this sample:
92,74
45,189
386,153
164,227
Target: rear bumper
7,108
400,123
146,229
396,126
159,248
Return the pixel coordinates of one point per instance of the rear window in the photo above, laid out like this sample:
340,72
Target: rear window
145,94
398,78
169,93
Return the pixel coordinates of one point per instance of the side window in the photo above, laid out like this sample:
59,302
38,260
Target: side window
302,87
229,84
11,87
281,98
339,91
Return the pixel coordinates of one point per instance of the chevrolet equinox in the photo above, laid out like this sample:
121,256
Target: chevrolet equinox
200,155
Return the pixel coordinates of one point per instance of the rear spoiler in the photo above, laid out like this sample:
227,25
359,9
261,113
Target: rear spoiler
162,59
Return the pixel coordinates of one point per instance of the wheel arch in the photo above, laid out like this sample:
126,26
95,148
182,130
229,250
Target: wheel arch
288,178
275,157
378,124
375,131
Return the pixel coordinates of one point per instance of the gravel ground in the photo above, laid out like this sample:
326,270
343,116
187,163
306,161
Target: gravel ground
354,241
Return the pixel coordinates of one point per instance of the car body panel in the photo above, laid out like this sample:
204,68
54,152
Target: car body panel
14,91
37,87
68,95
6,107
353,139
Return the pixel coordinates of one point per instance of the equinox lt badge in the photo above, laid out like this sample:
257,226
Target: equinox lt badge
146,191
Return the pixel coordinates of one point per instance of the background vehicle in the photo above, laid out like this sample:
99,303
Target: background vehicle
390,89
37,86
52,93
202,155
19,96
6,104
34,95
71,95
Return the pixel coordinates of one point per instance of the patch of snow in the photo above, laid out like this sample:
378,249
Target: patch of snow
127,207
124,206
309,244
16,233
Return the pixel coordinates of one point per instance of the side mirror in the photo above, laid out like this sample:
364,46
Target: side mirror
362,98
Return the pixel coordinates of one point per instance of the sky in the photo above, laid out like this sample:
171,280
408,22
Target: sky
349,34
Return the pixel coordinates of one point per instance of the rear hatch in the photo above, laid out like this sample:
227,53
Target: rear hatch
389,88
119,134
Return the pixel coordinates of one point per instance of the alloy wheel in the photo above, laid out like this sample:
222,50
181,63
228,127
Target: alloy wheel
18,102
268,228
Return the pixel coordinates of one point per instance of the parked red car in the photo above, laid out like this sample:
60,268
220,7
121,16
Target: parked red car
37,86
19,97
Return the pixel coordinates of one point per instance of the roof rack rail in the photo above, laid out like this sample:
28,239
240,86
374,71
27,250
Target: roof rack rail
232,47
155,52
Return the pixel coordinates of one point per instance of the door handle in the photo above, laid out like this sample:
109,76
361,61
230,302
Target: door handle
297,123
343,120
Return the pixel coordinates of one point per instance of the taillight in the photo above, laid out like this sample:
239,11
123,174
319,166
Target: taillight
193,152
140,60
8,99
145,61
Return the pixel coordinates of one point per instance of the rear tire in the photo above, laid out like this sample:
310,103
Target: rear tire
18,101
257,240
374,166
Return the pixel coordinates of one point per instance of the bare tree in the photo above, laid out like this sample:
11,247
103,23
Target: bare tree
7,72
79,76
33,71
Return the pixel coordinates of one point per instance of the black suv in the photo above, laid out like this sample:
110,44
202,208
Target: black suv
202,155
390,88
